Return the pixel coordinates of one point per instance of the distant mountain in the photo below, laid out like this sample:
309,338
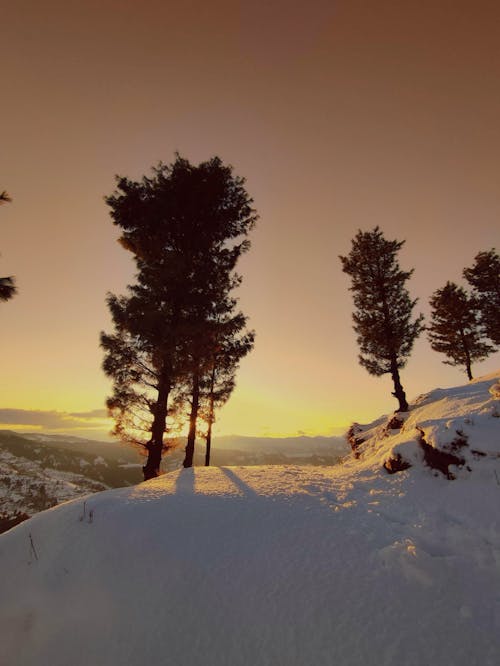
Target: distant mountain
114,449
38,471
239,450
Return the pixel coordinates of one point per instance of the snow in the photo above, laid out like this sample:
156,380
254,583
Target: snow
278,565
443,417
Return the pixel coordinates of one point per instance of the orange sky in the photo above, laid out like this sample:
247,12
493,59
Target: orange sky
341,115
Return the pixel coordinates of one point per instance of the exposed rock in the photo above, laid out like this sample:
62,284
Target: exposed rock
353,439
6,521
439,459
396,464
395,423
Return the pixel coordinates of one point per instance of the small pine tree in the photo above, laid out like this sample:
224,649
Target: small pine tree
383,316
7,288
7,284
231,343
455,328
484,277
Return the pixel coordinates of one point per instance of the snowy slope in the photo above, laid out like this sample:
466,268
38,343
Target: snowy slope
39,470
274,566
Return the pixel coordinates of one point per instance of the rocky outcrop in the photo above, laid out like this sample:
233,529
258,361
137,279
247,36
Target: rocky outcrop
396,464
354,439
440,459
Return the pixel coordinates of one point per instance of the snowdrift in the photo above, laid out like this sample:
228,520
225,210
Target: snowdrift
276,566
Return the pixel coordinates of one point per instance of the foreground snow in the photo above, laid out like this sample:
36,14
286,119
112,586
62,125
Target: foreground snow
257,566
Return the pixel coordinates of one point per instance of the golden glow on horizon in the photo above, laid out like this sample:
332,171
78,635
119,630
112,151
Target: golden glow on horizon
238,417
261,413
391,133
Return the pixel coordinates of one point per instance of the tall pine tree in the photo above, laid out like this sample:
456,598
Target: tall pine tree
455,328
186,227
484,277
383,315
211,319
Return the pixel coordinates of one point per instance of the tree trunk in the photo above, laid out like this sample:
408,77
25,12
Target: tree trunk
398,392
155,446
209,431
468,363
188,458
210,417
152,467
209,444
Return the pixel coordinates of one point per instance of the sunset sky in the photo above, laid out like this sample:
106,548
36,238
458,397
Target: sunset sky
341,115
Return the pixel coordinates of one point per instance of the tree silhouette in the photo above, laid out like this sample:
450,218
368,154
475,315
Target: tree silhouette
185,226
455,328
232,342
383,315
484,277
7,284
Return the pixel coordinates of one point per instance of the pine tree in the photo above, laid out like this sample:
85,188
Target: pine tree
383,315
186,228
231,343
484,277
455,328
7,284
140,358
212,323
8,288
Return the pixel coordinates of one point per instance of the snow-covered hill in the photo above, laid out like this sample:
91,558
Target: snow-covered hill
277,566
39,470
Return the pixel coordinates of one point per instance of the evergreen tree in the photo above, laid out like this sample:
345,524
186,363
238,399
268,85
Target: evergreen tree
455,328
212,323
8,288
186,228
7,284
484,277
231,343
383,315
140,358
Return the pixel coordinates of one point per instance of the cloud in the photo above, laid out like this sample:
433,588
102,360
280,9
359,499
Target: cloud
94,414
52,420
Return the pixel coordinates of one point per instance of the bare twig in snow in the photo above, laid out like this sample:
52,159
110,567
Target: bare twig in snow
32,548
